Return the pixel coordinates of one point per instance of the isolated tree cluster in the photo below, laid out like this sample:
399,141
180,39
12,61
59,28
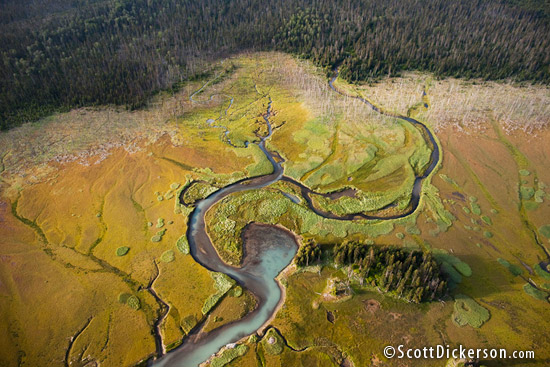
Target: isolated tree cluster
412,275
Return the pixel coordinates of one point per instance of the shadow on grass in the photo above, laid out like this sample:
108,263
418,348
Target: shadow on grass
488,277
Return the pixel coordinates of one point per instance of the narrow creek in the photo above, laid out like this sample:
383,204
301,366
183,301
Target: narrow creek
267,250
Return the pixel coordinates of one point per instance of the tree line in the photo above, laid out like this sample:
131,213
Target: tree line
57,55
412,275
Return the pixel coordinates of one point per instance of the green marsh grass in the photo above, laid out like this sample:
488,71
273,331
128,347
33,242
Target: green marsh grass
236,291
228,355
160,223
197,191
133,302
513,269
167,256
448,179
545,230
531,205
541,272
476,209
121,251
469,312
182,245
272,342
223,284
526,192
534,292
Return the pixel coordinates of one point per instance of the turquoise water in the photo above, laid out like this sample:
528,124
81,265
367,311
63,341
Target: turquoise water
276,253
293,198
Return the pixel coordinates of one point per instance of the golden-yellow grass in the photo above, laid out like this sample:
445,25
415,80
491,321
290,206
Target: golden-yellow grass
230,309
92,188
85,213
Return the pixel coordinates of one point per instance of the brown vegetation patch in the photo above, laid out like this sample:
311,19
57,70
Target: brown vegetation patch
467,105
372,305
395,315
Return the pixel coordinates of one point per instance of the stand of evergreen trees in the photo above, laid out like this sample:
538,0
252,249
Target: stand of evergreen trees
308,254
57,54
412,275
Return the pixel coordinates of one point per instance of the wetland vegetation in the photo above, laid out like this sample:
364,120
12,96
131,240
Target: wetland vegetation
153,226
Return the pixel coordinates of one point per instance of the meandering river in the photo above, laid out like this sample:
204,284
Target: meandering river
268,249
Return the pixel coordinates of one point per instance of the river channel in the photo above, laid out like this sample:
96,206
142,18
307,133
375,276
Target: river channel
267,249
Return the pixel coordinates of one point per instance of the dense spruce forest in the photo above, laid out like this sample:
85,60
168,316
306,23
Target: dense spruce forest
58,54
